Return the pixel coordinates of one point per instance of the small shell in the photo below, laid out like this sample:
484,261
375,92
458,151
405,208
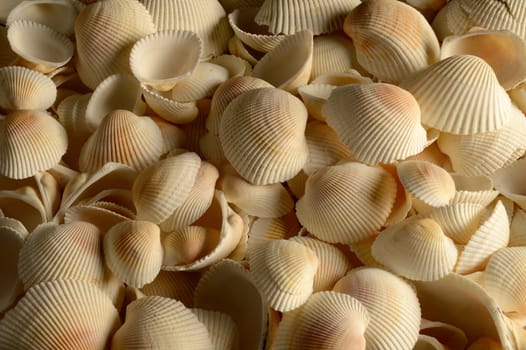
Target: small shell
168,109
59,15
257,119
346,203
450,104
416,249
12,239
22,88
509,181
24,205
328,320
158,323
392,304
361,113
284,273
175,285
473,189
222,330
72,115
332,53
314,97
32,141
385,29
60,315
342,78
518,228
289,64
40,47
201,83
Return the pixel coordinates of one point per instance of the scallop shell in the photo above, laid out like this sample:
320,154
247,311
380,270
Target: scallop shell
201,83
158,322
168,109
105,32
332,53
222,330
360,113
12,239
122,137
416,249
22,88
288,65
473,189
392,304
59,15
328,320
206,18
509,182
314,97
518,228
287,17
384,29
175,285
262,134
67,251
161,188
25,205
284,273
32,141
60,315
40,47
450,104
346,203
263,230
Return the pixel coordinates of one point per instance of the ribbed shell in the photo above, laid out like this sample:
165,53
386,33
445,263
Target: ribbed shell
378,122
202,83
263,230
60,315
222,329
186,245
23,88
57,14
449,102
262,133
175,285
416,249
12,239
332,53
346,203
392,39
509,181
168,109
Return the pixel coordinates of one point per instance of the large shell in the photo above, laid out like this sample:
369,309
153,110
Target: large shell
509,181
262,134
449,102
378,122
346,203
31,141
392,39
57,14
12,235
60,315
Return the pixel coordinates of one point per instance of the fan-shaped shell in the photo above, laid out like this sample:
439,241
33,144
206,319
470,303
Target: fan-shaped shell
57,14
378,122
31,141
202,83
449,102
392,39
12,239
187,245
262,134
332,53
346,203
168,109
222,330
509,181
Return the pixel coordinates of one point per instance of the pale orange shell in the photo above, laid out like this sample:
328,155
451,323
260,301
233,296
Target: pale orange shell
403,202
362,250
449,335
509,182
186,245
175,285
173,135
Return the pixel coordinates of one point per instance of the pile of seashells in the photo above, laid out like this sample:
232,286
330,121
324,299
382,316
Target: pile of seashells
263,174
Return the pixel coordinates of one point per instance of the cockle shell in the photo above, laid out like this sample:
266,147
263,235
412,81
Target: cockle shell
362,113
12,236
168,109
71,113
222,330
509,182
362,251
202,83
173,135
59,15
450,104
327,211
62,314
186,245
236,66
447,334
32,141
257,119
403,201
22,88
328,320
383,48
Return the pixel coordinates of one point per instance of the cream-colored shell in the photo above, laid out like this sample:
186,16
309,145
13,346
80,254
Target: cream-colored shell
57,14
186,245
237,48
202,83
332,53
403,201
447,334
473,189
509,182
168,109
104,215
314,97
222,329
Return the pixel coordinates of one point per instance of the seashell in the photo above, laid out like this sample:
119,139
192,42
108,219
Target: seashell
173,136
437,89
289,17
332,53
62,173
68,251
122,137
265,229
59,15
222,330
324,147
158,322
449,335
72,115
161,188
509,182
237,48
162,69
175,285
236,66
22,88
288,65
328,320
392,304
118,91
484,153
168,109
210,148
297,184
518,228
333,264
205,18
188,244
24,205
378,111
32,141
428,8
473,189
103,218
251,33
284,271
504,278
362,251
105,32
240,299
196,129
40,47
198,201
327,211
61,314
416,249
314,97
201,84
433,155
403,202
386,50
502,50
342,78
518,96
12,239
